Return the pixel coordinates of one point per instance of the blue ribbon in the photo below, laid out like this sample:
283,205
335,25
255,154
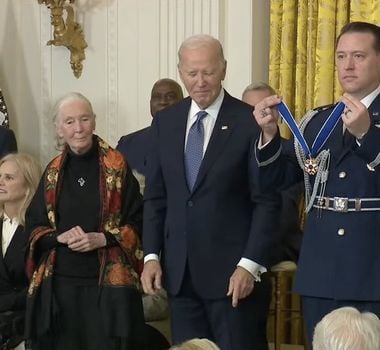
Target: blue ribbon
323,134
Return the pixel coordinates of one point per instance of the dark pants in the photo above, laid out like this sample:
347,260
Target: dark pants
79,324
240,328
314,309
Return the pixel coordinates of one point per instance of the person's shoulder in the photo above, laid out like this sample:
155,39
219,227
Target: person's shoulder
236,103
324,108
5,131
167,115
114,156
133,136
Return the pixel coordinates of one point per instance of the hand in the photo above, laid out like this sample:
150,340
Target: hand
79,241
241,285
266,116
151,277
355,117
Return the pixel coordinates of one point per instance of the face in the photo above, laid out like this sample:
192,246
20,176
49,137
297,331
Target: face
12,183
163,95
255,96
358,64
75,124
202,73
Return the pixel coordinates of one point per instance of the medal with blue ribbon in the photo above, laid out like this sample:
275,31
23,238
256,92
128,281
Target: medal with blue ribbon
311,164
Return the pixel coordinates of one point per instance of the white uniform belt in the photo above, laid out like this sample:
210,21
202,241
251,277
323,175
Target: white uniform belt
344,205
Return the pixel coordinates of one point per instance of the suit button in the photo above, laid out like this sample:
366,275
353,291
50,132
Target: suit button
341,232
342,175
190,204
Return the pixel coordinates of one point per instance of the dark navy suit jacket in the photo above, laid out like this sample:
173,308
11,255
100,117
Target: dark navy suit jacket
134,148
342,266
7,142
223,218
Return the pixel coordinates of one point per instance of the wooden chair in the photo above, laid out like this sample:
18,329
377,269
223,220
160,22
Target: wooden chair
285,310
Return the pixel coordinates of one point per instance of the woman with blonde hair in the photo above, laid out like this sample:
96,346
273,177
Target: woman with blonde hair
196,344
19,176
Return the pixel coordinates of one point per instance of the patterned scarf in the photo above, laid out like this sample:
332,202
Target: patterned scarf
119,265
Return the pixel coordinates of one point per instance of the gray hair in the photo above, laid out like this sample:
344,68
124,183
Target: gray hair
71,96
260,85
347,328
201,40
196,344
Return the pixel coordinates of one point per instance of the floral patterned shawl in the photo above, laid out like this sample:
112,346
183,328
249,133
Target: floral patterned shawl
120,265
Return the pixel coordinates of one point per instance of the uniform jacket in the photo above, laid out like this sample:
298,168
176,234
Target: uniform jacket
340,252
223,218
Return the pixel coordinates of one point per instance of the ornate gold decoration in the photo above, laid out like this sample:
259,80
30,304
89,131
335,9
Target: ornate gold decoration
67,32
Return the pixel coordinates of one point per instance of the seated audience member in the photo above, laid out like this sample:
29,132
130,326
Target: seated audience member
165,92
19,176
8,142
196,344
289,242
347,328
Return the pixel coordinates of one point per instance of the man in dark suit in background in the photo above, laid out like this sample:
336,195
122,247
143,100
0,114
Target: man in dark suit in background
165,92
8,142
201,212
288,245
339,262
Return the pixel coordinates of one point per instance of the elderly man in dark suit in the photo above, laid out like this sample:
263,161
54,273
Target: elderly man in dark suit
202,213
339,262
165,92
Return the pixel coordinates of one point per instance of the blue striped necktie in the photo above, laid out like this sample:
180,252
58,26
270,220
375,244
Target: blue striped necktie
194,149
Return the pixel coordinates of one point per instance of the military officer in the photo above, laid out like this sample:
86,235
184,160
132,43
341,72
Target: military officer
339,261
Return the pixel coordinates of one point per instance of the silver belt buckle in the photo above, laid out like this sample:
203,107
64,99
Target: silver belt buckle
340,204
323,202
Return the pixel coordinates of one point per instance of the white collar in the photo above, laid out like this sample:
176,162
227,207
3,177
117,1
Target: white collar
211,110
367,100
7,219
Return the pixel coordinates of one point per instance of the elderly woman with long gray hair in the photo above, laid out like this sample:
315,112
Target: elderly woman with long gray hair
84,256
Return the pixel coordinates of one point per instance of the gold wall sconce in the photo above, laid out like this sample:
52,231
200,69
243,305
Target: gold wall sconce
67,32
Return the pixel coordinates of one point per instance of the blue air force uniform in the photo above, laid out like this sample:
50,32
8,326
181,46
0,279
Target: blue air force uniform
340,255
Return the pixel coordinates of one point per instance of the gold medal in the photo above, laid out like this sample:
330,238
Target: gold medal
311,166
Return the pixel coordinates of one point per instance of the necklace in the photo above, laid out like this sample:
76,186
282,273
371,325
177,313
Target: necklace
81,181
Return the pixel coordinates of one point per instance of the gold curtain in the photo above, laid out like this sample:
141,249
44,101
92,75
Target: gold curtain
302,42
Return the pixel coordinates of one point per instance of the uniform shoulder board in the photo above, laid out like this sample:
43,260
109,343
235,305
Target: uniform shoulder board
323,108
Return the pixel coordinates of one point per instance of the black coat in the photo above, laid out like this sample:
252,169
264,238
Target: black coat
13,280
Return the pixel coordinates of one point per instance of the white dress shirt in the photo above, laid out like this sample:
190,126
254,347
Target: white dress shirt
9,229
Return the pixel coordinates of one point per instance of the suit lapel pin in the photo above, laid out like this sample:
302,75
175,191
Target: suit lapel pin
224,127
375,114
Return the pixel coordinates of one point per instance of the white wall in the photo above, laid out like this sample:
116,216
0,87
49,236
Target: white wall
131,44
